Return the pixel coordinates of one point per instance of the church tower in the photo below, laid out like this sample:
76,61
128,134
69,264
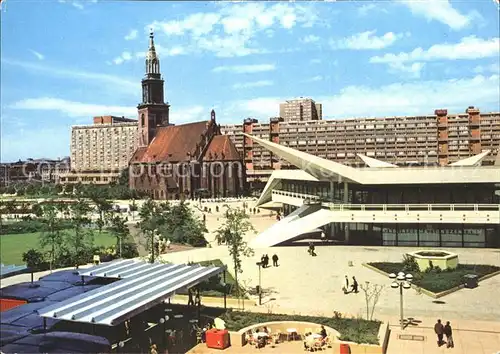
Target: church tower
153,111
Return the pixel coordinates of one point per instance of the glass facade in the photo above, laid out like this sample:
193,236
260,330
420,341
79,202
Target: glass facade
418,235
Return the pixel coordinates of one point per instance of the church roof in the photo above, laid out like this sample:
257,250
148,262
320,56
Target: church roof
177,143
173,143
221,148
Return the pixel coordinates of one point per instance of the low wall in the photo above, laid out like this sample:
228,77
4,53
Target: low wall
238,338
215,301
356,348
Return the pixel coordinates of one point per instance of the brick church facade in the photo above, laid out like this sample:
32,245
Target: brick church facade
180,161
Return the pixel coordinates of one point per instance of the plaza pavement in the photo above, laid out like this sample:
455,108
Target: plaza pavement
312,285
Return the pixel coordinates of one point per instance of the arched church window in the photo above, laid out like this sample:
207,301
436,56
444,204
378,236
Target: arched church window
142,119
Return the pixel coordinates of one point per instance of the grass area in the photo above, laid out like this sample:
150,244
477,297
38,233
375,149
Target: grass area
351,329
14,245
439,281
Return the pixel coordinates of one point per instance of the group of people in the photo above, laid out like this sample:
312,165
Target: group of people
264,260
350,288
444,330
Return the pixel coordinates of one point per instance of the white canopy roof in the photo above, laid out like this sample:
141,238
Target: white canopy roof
142,286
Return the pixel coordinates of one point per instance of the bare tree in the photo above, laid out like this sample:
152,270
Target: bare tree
372,296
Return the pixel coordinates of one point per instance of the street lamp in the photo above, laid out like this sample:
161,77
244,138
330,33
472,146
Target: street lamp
260,288
401,281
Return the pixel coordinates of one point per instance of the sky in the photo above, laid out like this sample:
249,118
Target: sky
65,61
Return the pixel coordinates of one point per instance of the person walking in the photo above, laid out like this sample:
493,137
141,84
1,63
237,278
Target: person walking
449,335
346,285
354,285
275,260
439,330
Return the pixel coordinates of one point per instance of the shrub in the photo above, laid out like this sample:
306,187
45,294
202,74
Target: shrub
410,264
34,259
351,329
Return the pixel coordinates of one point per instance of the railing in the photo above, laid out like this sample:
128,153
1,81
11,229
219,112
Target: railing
414,207
297,195
391,207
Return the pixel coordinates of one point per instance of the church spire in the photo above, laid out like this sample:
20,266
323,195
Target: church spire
152,61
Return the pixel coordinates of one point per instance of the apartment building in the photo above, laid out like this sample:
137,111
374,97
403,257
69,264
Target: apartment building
106,145
436,139
301,109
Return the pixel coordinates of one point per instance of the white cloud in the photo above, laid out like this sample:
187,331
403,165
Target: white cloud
189,114
468,48
491,68
125,56
131,35
311,38
315,78
413,98
245,69
231,31
260,83
363,10
116,83
441,11
413,70
163,52
315,61
72,108
77,5
38,55
366,40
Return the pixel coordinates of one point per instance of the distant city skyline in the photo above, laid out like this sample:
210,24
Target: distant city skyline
358,60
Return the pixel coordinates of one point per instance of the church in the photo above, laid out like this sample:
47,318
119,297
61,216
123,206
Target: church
180,161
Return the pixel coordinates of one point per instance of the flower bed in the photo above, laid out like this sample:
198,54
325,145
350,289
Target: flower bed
438,281
351,329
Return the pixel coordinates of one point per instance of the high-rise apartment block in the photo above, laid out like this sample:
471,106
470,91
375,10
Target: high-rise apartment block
101,149
440,138
301,109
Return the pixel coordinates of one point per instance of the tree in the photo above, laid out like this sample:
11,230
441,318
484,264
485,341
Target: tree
151,219
52,234
81,240
181,225
123,180
372,295
231,232
34,260
120,230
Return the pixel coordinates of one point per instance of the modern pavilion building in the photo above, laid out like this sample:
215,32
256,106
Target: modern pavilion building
457,205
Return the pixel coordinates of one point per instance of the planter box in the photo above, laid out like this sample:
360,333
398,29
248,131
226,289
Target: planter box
356,348
443,259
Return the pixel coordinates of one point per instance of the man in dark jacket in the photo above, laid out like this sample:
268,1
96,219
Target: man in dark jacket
449,335
275,260
439,330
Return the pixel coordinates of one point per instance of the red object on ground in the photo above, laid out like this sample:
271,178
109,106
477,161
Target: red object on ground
217,339
345,349
7,304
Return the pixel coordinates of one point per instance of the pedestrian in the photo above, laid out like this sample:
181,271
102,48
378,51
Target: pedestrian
263,260
275,260
266,261
354,285
449,335
439,330
190,298
345,285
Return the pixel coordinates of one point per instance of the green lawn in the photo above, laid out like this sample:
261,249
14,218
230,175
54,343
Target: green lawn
14,245
439,281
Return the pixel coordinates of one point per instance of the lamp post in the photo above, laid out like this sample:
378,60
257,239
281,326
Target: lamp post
260,288
401,281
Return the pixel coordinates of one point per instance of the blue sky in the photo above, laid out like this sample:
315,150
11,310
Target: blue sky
63,62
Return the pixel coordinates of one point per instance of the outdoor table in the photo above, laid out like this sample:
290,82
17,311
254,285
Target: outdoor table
292,332
261,334
316,336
